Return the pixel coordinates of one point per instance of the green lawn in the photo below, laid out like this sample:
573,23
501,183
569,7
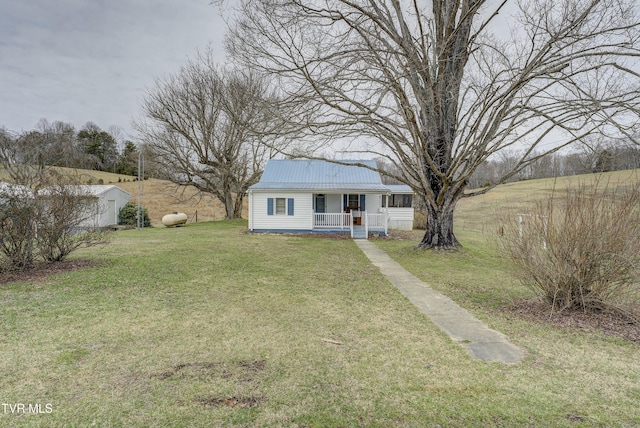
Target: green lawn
208,326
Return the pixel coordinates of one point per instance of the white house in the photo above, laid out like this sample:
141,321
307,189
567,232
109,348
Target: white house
312,196
399,207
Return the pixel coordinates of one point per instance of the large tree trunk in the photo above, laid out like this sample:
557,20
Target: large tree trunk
237,210
229,206
439,228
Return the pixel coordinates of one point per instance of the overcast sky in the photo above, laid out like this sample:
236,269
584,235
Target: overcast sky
90,60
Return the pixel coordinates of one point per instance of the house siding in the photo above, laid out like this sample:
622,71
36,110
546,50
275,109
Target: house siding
301,180
302,207
400,218
373,203
333,203
120,197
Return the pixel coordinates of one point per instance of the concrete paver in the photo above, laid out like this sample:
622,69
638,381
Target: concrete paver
481,341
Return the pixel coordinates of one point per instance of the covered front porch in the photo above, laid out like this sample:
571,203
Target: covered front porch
348,222
348,213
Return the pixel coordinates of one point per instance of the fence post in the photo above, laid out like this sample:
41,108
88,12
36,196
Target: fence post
521,223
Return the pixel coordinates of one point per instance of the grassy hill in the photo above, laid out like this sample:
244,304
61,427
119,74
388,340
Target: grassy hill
482,213
160,197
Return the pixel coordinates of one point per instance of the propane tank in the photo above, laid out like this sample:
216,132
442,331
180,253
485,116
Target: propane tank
174,219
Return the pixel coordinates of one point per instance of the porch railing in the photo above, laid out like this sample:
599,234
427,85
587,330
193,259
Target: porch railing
371,222
332,221
377,222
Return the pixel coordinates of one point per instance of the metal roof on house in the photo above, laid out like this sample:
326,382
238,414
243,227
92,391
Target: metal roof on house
400,189
304,174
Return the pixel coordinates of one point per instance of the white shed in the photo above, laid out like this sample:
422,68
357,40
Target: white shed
10,190
108,201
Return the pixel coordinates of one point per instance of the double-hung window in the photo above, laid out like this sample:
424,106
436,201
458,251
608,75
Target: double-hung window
279,206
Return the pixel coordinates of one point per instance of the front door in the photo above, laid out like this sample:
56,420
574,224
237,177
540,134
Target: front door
320,204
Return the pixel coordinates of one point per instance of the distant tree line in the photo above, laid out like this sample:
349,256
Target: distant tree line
591,158
60,144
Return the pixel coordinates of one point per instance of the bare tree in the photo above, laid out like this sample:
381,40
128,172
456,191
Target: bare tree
202,129
23,159
58,142
16,227
433,89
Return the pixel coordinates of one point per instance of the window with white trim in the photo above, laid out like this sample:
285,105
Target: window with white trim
280,206
398,201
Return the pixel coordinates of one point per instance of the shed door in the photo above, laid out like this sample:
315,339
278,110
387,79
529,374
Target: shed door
111,212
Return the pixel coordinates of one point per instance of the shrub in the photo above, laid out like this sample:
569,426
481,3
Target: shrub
419,220
128,215
66,221
580,249
16,232
419,214
49,224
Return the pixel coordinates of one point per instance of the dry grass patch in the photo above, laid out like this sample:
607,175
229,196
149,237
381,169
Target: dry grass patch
162,197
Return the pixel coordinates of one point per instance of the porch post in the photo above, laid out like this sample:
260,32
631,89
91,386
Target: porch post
366,223
351,222
386,215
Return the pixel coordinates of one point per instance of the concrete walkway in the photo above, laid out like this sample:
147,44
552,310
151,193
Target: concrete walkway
482,342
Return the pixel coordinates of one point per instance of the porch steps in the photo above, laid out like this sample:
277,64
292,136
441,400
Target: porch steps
359,232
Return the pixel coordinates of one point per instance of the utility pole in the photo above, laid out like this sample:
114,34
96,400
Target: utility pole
139,220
